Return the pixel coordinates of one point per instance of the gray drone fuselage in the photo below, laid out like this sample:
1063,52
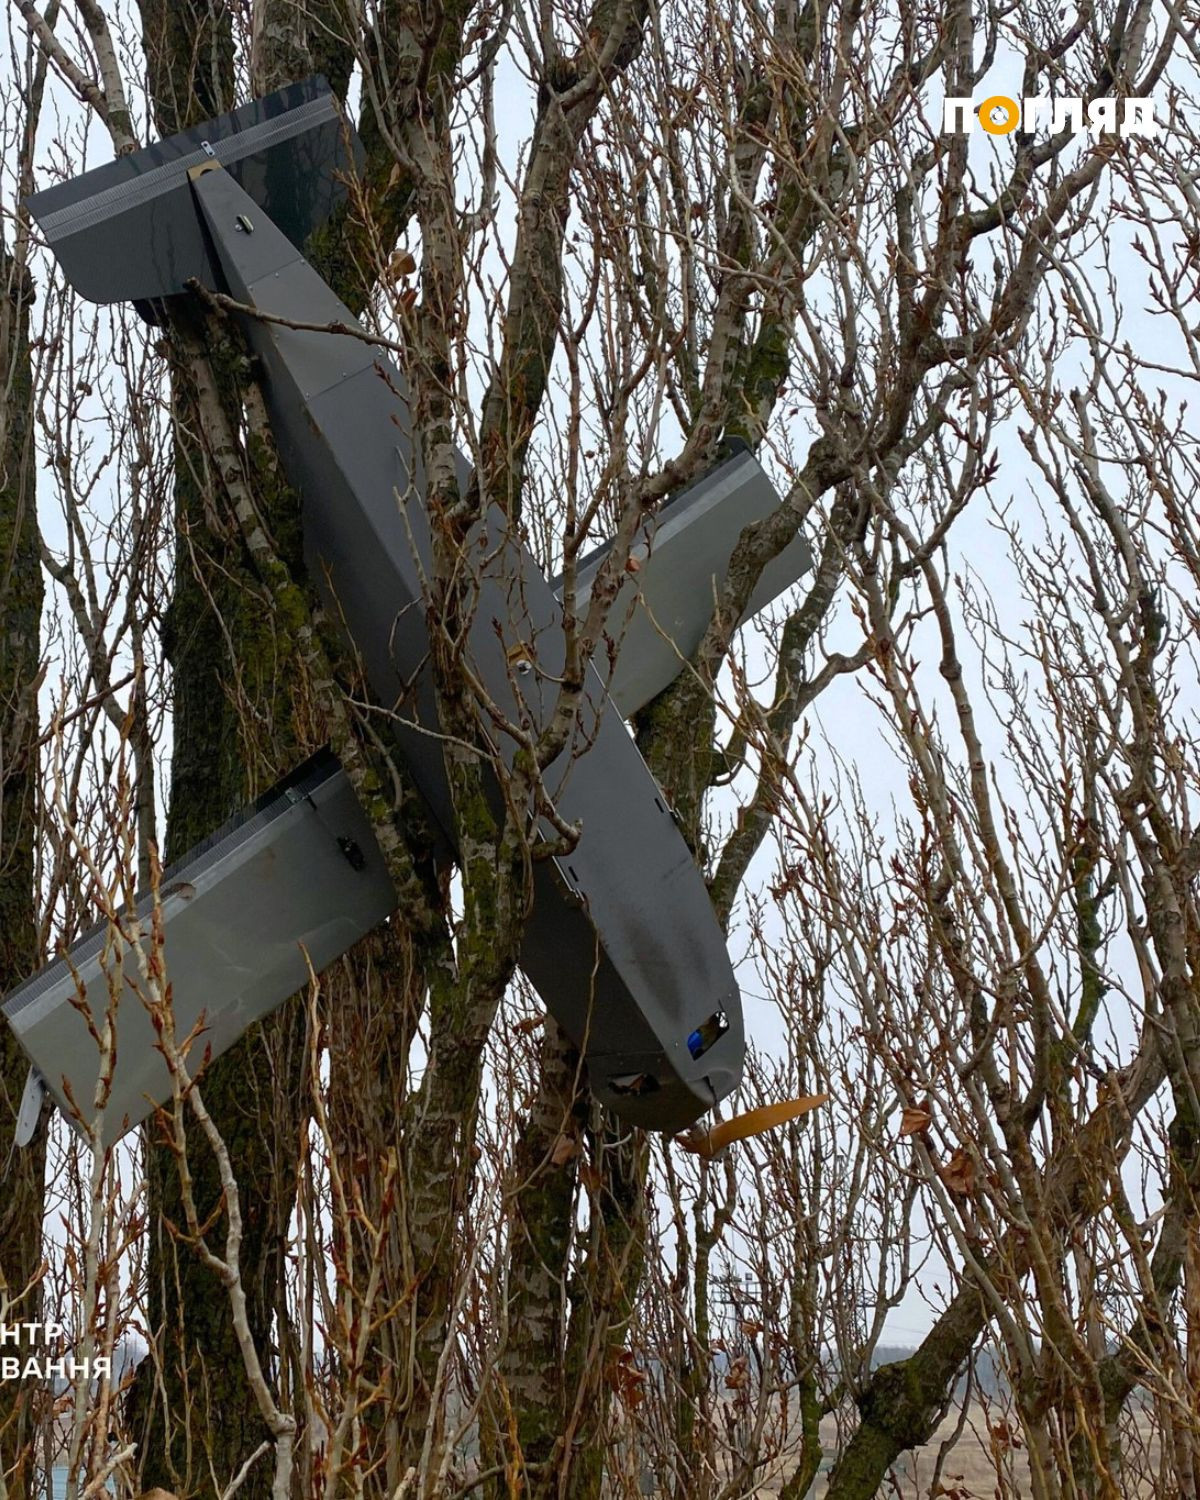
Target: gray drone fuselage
621,942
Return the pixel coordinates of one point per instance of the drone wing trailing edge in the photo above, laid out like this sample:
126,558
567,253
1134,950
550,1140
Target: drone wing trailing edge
294,879
622,942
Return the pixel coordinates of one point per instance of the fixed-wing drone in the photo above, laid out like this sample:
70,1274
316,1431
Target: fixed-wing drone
622,942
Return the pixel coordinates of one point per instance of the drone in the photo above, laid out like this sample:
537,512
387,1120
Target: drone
622,943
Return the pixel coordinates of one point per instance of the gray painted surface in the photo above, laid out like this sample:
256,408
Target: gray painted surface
128,231
299,867
661,610
622,942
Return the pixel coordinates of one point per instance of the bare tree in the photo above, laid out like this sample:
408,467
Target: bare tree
391,1243
20,626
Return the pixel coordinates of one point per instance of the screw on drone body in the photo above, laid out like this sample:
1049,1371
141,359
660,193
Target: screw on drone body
520,657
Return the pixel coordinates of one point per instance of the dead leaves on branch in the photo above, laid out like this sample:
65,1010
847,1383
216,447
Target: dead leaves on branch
400,264
565,1149
625,1379
957,1174
916,1119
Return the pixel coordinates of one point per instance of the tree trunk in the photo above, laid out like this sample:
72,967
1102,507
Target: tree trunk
20,619
234,734
532,1398
240,722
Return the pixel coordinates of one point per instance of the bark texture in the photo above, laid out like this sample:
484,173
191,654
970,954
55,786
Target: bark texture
20,616
236,731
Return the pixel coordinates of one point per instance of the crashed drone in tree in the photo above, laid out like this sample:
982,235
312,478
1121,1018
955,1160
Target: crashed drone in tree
622,942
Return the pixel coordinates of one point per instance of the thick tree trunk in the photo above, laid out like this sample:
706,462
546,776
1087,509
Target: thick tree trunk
239,723
602,1301
20,617
234,733
532,1399
190,1409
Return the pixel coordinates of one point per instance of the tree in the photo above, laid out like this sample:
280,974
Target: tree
442,1270
20,611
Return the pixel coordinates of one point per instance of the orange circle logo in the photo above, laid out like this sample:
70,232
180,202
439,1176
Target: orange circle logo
1012,115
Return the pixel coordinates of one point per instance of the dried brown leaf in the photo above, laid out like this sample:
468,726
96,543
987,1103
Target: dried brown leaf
914,1120
959,1172
400,264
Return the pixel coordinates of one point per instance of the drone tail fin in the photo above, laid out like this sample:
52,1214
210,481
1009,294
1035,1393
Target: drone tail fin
129,232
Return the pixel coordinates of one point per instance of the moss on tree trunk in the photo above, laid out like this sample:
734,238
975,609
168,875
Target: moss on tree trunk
235,731
20,618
